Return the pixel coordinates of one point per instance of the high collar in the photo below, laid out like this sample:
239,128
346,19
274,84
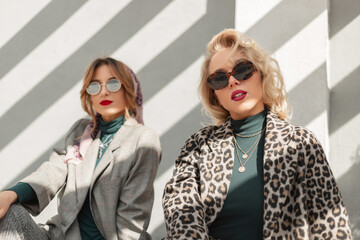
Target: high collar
273,124
250,124
111,127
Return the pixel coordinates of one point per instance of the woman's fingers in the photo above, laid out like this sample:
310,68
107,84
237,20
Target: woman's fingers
6,199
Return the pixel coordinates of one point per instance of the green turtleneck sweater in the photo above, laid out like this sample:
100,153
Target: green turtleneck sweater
88,228
242,214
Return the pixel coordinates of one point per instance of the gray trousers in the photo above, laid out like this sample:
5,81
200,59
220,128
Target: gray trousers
17,224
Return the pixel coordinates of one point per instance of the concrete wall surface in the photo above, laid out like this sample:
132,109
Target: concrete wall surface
46,45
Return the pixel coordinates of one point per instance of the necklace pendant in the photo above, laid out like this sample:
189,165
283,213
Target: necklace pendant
241,169
244,156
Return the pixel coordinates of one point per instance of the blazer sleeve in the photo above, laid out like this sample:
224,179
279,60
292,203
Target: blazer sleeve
324,204
49,177
137,196
183,207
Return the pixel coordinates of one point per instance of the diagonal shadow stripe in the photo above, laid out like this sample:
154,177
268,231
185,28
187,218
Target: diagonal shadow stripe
37,30
194,116
187,48
311,95
174,138
344,100
63,78
213,7
284,21
35,164
342,13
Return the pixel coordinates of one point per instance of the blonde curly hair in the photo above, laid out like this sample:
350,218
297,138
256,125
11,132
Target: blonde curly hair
274,92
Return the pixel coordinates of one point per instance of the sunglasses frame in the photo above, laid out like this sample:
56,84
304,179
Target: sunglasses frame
211,80
101,85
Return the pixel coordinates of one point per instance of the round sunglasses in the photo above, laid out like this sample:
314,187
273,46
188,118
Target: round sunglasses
113,85
242,71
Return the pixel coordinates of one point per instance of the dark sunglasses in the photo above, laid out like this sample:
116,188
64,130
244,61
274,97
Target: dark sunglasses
113,85
242,71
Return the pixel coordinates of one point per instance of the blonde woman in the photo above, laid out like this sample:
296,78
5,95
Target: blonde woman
251,175
104,174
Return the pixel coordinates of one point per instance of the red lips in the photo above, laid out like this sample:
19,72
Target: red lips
105,102
238,95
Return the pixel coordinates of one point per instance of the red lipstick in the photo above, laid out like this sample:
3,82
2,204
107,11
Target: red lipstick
105,102
238,95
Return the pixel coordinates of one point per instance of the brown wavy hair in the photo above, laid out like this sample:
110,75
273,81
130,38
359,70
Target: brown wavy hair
274,92
120,72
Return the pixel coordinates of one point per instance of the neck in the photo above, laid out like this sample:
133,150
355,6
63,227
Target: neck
112,126
250,113
109,118
251,124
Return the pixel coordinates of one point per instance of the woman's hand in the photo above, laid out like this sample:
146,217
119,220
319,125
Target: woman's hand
6,199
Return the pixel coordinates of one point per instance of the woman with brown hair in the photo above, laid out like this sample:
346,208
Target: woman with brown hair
251,175
104,174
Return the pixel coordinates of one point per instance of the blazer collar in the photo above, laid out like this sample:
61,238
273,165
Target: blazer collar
86,173
85,170
118,140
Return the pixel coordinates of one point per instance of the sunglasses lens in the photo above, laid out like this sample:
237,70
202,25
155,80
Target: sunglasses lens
113,85
243,70
93,88
218,81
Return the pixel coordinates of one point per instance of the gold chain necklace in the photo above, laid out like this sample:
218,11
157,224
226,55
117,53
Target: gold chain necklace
242,167
248,136
245,153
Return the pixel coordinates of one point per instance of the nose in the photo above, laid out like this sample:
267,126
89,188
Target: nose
103,90
233,82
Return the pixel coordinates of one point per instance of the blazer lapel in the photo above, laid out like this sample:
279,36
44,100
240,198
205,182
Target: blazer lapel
85,170
116,143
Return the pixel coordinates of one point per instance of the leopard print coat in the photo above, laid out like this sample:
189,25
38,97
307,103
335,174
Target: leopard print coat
301,199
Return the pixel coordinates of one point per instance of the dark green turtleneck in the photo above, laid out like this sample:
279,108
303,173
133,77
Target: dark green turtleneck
88,228
242,214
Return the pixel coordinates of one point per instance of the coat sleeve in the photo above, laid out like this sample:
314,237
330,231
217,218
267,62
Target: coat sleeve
327,215
137,196
183,207
49,177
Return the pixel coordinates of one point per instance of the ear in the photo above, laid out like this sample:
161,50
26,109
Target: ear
215,96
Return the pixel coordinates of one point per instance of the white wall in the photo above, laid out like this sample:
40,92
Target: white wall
344,82
46,45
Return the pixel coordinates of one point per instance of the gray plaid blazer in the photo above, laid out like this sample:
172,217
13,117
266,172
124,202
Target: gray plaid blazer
121,186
